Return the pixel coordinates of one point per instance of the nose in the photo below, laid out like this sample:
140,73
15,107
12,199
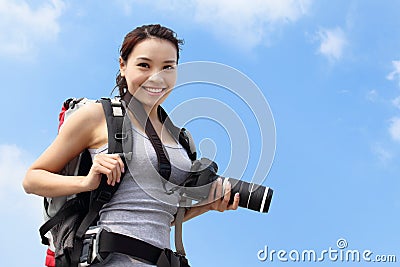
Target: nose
156,77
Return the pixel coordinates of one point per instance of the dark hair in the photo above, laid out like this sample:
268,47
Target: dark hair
139,34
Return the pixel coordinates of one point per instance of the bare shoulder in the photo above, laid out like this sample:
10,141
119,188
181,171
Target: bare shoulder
89,123
90,111
85,128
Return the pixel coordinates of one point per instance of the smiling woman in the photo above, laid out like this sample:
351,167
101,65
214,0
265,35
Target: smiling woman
147,64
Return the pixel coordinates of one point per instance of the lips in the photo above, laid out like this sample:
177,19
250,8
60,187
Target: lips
153,90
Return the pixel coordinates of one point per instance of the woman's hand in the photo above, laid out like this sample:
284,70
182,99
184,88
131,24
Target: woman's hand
219,195
216,200
109,164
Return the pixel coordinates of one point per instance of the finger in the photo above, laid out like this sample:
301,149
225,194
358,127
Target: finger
110,172
115,163
222,198
235,203
120,166
227,186
120,162
219,189
110,168
110,158
105,161
117,172
107,171
227,190
101,170
211,193
114,175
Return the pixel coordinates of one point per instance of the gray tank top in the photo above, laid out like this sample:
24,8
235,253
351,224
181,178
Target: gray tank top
141,208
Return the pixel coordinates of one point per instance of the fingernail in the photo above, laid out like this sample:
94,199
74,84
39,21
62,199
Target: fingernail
237,195
123,170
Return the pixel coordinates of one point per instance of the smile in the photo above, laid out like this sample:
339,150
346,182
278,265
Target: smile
153,90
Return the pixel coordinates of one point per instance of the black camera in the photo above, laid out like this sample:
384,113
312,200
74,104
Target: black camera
204,172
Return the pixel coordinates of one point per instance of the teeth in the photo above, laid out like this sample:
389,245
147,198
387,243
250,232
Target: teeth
153,90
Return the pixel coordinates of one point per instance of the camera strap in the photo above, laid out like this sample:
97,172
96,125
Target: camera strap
164,165
178,230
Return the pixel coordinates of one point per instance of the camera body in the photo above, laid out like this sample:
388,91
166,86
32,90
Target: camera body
204,172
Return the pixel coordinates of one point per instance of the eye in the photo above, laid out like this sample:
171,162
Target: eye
169,67
143,65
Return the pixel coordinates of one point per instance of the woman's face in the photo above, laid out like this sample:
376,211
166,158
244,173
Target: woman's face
150,71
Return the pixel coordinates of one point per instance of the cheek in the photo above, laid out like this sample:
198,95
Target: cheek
170,79
134,81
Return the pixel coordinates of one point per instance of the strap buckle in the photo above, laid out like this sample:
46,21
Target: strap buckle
104,196
90,247
168,258
120,136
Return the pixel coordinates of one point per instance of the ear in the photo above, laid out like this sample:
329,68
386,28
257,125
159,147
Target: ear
122,66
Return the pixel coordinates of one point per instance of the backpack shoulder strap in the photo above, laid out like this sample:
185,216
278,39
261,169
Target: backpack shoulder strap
114,113
117,135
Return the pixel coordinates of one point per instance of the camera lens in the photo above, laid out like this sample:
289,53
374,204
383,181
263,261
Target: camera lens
252,196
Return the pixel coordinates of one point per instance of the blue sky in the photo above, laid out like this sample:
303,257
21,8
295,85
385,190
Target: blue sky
330,71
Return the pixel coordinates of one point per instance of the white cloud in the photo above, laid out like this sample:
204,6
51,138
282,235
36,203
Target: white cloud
241,22
372,96
23,28
383,154
394,129
396,102
396,72
126,6
13,166
14,162
333,42
248,24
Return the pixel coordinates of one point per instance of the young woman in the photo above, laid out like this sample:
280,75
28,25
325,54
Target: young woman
148,59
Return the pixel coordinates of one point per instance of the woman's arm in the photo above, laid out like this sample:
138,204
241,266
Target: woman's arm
84,129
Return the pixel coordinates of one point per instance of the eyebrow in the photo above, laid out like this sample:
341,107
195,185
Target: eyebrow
148,59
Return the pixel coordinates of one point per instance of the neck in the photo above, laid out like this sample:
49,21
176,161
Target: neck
152,113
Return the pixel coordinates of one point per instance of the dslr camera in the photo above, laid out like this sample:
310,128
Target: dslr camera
204,171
